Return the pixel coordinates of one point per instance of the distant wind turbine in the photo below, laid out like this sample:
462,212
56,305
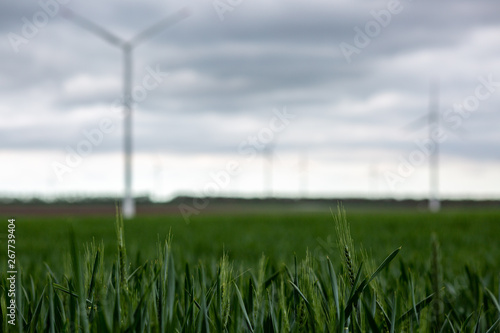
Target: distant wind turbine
432,122
268,153
373,173
434,202
303,165
128,205
157,177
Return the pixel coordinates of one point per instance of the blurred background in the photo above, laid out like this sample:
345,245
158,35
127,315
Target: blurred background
303,99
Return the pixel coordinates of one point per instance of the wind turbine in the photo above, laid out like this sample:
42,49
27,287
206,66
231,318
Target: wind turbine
373,174
433,119
303,165
432,122
127,46
267,153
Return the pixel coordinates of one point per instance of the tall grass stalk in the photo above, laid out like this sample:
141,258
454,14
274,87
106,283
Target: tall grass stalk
436,278
345,242
122,253
226,280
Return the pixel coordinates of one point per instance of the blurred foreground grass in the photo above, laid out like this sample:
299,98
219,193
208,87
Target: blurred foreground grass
257,273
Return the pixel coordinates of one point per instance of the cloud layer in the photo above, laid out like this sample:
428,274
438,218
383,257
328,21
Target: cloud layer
229,64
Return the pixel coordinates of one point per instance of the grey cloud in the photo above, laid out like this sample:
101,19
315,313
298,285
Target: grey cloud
257,59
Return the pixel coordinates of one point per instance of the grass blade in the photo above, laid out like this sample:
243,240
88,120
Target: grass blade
493,299
243,308
384,264
370,319
416,308
51,319
333,280
494,326
78,277
36,313
308,305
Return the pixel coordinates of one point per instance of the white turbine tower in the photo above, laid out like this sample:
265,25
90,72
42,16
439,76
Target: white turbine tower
127,46
268,153
431,120
373,174
303,170
434,202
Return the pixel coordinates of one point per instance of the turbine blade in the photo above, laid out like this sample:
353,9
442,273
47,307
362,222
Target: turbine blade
417,124
168,21
93,27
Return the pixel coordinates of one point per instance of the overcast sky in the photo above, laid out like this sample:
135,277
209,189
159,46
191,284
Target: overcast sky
337,90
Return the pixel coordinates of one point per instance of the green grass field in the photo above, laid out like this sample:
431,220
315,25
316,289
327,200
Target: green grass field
468,258
465,238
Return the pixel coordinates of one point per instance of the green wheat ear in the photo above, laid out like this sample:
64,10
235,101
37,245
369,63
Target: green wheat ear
122,254
345,242
226,277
